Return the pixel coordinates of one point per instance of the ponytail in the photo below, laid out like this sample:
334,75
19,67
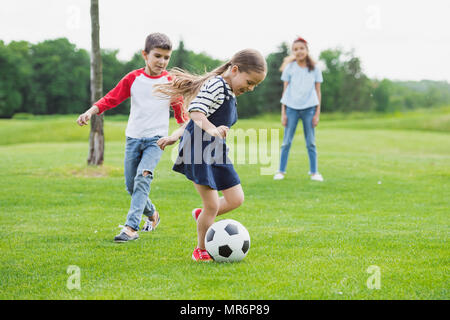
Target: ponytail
310,63
188,85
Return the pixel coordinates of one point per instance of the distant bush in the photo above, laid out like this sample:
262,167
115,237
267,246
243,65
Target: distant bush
23,116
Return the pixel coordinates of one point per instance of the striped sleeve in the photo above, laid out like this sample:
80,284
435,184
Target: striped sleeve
209,98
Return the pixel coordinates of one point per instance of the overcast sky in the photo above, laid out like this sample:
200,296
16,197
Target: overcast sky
395,39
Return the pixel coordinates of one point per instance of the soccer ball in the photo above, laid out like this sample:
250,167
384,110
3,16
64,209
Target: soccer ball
227,241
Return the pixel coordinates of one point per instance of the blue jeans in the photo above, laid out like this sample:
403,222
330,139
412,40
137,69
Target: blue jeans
293,116
141,155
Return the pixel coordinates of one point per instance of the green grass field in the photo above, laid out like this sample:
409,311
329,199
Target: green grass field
385,202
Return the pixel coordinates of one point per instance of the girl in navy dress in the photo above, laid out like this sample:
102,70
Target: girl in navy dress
202,154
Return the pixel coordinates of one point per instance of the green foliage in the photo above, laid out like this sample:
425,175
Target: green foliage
60,77
180,57
345,87
52,77
381,95
272,87
13,78
197,63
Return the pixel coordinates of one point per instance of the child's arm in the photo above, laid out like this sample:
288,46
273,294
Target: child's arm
84,118
315,120
113,98
167,141
202,121
283,107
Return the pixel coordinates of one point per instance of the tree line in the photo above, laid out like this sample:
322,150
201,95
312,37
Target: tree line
53,77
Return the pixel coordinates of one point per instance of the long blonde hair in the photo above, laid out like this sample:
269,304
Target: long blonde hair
309,62
188,85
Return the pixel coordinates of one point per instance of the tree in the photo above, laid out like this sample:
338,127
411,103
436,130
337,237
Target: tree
180,56
332,76
346,87
96,137
14,77
381,95
271,88
59,78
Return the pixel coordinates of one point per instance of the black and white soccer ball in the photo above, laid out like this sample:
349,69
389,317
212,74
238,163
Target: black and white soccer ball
227,241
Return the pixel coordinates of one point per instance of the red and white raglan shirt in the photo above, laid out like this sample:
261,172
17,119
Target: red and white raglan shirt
149,113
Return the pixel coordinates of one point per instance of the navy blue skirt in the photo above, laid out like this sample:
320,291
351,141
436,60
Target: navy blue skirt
205,161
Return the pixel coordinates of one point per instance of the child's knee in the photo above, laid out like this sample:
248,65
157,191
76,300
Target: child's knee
237,200
240,200
212,207
147,173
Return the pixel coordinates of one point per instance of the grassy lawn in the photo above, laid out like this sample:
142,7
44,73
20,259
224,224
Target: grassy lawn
385,202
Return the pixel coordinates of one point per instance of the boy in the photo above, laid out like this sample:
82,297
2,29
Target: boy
148,122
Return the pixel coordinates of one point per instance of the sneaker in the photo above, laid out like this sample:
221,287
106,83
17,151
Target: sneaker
278,176
196,212
317,177
201,255
124,237
152,222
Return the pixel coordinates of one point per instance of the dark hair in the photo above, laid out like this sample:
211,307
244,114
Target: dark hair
157,40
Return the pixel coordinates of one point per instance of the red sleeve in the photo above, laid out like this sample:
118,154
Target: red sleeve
117,95
178,109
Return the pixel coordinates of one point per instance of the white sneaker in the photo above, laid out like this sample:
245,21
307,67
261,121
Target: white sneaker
151,223
317,177
278,176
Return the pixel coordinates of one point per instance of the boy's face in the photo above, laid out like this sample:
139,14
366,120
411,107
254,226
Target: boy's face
156,60
242,82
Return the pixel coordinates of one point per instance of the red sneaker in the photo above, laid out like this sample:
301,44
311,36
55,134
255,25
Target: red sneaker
196,212
201,255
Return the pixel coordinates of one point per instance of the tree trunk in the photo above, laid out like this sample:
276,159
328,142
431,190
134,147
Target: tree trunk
96,138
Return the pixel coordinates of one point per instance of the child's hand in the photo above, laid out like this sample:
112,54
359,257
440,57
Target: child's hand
315,120
166,141
283,119
220,132
84,118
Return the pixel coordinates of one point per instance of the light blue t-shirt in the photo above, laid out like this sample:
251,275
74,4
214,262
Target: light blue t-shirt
301,91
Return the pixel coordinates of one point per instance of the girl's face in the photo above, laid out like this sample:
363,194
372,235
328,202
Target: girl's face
300,51
242,82
156,60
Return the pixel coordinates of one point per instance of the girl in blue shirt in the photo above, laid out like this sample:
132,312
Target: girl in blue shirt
300,100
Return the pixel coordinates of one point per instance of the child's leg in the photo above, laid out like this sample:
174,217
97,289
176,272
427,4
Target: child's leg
132,158
232,198
289,133
210,198
141,186
310,140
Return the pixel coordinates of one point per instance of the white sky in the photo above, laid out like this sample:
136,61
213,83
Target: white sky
396,39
